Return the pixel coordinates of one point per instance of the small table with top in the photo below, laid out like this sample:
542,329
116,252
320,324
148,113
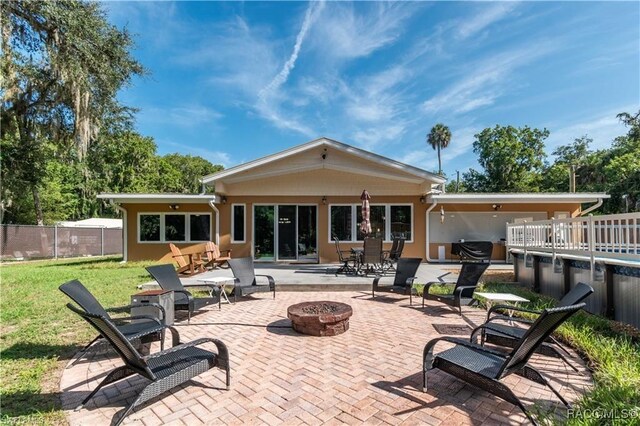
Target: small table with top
501,297
220,283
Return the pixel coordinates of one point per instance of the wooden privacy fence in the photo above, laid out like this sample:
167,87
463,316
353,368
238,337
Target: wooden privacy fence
23,242
604,251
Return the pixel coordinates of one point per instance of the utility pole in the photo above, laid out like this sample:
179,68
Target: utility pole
572,178
458,181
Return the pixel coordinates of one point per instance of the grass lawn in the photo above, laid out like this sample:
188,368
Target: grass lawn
38,335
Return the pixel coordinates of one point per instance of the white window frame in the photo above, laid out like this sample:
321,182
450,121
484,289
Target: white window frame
387,225
187,225
244,223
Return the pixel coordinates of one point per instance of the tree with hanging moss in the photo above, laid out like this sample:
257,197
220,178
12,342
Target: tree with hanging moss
62,65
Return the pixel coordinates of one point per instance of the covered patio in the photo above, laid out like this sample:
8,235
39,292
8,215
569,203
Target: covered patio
370,374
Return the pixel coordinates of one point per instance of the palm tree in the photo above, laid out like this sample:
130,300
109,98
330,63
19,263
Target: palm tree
439,138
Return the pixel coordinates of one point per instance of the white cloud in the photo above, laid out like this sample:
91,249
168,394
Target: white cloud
602,128
495,12
489,81
346,33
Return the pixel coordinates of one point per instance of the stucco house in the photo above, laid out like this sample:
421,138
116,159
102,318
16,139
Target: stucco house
286,207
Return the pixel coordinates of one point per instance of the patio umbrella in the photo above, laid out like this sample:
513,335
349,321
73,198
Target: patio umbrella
365,225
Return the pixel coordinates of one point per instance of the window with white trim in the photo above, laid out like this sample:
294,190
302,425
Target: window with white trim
388,221
174,227
238,221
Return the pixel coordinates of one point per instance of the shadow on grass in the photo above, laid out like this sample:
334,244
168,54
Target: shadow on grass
24,404
19,351
82,261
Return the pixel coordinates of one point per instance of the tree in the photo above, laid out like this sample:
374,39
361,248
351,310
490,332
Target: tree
63,65
512,159
191,170
439,138
556,176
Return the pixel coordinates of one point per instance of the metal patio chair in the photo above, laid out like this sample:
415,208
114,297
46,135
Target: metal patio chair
146,329
391,257
165,370
246,282
346,257
485,368
168,279
406,270
508,335
372,258
464,287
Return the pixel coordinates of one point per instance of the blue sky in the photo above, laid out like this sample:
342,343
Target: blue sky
234,81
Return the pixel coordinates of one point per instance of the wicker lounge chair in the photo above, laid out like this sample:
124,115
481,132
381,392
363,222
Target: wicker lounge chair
246,283
168,279
485,368
406,270
193,266
165,370
146,329
464,287
213,256
507,335
346,258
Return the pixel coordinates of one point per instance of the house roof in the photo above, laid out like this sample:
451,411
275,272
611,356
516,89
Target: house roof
159,198
507,198
327,143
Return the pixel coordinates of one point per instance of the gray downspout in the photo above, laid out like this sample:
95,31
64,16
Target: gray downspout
217,212
592,208
125,233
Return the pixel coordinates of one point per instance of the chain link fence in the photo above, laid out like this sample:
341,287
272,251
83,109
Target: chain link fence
24,242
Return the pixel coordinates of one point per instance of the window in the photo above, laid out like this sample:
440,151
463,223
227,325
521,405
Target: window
200,227
149,227
238,223
387,222
341,223
378,222
401,222
172,227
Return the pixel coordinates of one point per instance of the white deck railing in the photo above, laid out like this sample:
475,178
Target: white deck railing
613,237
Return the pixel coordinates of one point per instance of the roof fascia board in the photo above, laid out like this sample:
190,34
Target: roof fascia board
517,198
158,198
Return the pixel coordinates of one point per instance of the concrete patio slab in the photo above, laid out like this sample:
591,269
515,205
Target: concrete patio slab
369,375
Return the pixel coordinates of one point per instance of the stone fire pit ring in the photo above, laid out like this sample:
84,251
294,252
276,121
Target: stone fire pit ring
320,318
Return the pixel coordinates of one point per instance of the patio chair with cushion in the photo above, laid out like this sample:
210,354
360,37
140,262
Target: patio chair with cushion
164,370
507,335
485,368
213,256
346,257
464,287
246,282
145,329
406,270
168,279
194,264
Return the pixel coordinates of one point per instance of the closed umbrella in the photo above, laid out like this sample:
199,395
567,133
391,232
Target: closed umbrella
365,225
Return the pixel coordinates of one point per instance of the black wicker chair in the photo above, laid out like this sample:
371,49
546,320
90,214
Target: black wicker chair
346,258
165,370
146,329
406,270
508,335
246,283
465,286
485,368
183,300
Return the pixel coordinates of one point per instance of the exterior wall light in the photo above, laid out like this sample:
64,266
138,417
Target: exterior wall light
423,200
174,206
497,206
324,199
223,199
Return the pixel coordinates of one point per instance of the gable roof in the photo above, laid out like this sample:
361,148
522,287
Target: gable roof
324,142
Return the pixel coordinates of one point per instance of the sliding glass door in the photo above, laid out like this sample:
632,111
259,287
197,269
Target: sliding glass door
285,232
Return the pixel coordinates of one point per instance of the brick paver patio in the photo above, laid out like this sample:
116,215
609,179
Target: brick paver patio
369,375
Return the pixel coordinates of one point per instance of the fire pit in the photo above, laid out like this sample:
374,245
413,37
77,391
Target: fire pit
320,318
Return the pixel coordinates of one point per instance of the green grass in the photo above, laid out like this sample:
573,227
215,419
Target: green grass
611,350
38,334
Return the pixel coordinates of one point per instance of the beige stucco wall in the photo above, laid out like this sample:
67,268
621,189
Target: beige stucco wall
326,248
